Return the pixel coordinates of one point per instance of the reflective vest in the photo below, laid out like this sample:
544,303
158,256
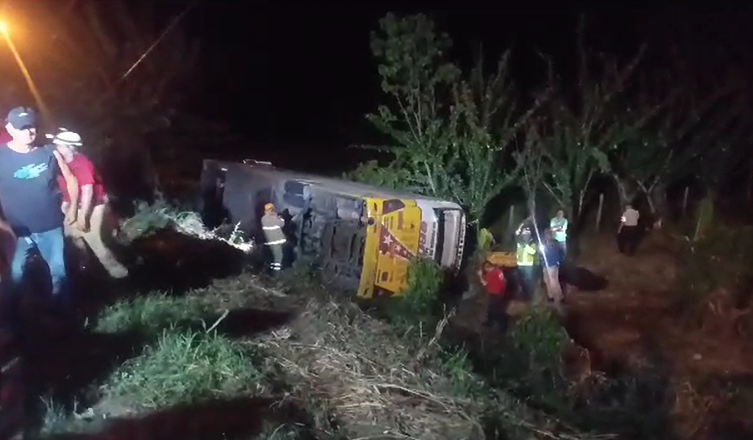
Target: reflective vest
272,225
526,254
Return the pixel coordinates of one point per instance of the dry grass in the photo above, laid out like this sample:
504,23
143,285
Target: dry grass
380,385
356,374
356,368
344,364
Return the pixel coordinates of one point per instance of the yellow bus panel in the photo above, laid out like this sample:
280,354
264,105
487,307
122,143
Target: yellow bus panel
391,243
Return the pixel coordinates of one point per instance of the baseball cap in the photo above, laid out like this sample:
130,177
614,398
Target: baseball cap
22,117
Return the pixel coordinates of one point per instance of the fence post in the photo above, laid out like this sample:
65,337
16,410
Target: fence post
511,220
599,211
685,200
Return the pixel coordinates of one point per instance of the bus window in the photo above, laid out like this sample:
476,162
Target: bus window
294,194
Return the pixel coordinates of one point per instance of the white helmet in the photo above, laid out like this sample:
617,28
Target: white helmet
66,137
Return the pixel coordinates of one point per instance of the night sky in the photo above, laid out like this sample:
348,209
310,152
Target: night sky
296,78
300,75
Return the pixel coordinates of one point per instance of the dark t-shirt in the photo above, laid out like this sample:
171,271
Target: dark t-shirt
553,253
29,194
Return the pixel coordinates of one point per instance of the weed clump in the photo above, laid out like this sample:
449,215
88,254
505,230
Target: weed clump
185,367
151,314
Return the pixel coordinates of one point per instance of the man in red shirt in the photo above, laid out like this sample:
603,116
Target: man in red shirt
493,280
95,223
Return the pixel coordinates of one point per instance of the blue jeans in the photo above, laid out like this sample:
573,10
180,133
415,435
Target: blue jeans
563,246
527,282
51,247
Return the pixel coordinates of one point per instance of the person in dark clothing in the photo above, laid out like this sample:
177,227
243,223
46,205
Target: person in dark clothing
30,202
493,280
552,256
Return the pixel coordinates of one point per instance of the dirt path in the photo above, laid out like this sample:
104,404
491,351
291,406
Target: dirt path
636,324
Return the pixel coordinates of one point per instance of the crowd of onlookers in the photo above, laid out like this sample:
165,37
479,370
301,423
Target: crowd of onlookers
541,251
50,195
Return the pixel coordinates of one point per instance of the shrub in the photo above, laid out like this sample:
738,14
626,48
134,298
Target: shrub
719,259
419,304
485,240
532,365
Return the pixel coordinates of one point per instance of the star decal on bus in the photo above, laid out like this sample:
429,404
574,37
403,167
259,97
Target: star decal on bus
390,245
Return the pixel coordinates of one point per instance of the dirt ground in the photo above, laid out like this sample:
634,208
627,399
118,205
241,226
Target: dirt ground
634,324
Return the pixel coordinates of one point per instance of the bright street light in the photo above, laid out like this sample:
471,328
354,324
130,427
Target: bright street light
22,66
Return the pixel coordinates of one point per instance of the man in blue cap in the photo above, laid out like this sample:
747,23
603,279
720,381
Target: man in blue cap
30,202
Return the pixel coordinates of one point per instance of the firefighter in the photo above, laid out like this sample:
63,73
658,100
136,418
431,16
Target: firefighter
274,237
525,259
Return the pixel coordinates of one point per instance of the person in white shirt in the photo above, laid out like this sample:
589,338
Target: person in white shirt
628,235
558,225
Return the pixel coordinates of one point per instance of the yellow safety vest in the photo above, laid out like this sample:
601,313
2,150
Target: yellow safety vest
526,254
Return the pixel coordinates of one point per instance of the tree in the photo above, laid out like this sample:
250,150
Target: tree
722,144
529,159
485,121
578,129
663,126
643,156
712,134
417,78
449,133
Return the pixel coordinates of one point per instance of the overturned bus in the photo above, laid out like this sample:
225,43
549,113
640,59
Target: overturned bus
362,236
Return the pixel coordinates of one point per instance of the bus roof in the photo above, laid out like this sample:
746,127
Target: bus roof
340,186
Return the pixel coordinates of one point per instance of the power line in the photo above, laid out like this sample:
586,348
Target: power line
159,39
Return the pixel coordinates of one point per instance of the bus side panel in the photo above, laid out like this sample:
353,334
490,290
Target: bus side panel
399,232
245,195
371,249
212,186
